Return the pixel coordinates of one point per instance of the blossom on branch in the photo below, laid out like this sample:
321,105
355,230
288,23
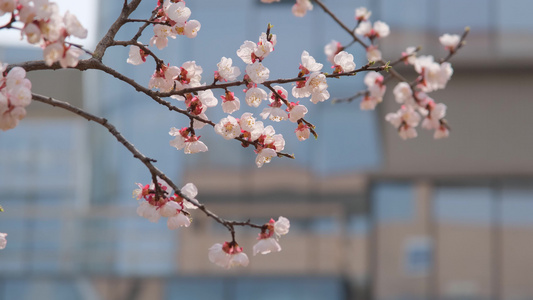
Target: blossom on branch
343,62
136,56
405,120
228,255
226,71
270,234
228,128
15,95
190,144
450,41
362,14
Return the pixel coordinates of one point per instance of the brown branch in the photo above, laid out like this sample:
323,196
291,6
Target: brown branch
109,37
341,24
148,162
158,61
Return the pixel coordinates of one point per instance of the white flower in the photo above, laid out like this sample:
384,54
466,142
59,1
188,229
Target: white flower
71,57
264,156
362,14
410,55
178,220
270,233
3,240
194,147
309,64
135,56
73,26
281,226
226,71
344,62
32,33
275,114
207,98
148,211
435,75
264,47
332,49
317,86
193,71
190,191
20,96
450,41
161,34
170,209
403,93
435,113
52,53
247,122
296,112
191,28
230,103
257,72
302,132
178,13
227,255
9,119
373,53
405,120
442,132
254,96
300,8
381,29
228,128
265,246
245,52
364,28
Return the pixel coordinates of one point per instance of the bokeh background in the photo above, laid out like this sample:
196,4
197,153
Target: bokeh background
372,216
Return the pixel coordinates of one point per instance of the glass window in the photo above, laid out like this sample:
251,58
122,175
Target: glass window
394,202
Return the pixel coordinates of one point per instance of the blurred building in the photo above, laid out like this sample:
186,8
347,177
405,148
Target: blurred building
372,216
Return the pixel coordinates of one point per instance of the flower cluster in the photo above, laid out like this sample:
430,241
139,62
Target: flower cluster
416,104
44,26
371,31
270,234
173,17
15,95
186,140
375,91
230,254
155,203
